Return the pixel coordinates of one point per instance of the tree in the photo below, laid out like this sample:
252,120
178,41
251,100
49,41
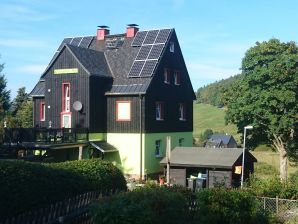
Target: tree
267,98
4,95
21,97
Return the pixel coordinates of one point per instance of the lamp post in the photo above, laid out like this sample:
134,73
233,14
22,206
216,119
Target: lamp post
243,153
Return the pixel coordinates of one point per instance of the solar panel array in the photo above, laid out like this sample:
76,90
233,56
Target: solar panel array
77,41
151,45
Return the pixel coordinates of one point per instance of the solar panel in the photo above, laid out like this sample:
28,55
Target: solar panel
136,68
156,51
148,68
139,38
151,36
86,42
75,41
65,41
144,52
162,36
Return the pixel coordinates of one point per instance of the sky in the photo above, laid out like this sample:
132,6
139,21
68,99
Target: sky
213,34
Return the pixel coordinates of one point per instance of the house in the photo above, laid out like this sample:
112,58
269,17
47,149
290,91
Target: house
124,93
221,141
212,166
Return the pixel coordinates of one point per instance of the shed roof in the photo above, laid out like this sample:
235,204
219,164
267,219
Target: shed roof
39,89
206,157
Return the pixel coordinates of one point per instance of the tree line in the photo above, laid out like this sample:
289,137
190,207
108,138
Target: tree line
17,112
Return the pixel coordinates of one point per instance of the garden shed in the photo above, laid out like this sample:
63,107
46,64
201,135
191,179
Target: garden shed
211,166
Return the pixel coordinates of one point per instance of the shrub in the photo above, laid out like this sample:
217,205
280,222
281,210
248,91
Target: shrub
143,205
28,186
219,205
102,174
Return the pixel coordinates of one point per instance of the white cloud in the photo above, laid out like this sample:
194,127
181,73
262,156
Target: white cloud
31,69
18,12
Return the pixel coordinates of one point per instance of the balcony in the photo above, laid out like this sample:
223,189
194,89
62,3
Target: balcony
26,137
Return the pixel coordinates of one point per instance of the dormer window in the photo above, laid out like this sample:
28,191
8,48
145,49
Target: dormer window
177,78
159,111
172,47
182,113
167,76
66,97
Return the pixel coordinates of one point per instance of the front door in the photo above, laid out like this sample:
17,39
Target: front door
66,121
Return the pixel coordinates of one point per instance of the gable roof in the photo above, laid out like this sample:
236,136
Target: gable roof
206,157
116,55
220,137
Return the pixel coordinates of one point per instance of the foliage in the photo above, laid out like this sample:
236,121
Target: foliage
267,95
17,102
212,93
205,135
25,186
4,94
273,187
143,205
219,205
102,174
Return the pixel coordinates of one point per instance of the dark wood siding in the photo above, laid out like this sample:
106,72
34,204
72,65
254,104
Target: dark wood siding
36,111
98,103
132,126
178,176
172,95
220,178
79,91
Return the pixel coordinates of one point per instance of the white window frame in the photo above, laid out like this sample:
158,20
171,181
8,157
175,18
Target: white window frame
177,78
182,114
159,111
158,152
167,78
123,113
172,47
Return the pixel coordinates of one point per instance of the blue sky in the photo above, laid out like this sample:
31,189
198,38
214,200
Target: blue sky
213,35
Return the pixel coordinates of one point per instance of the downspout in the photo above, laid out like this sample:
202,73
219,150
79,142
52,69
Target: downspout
141,137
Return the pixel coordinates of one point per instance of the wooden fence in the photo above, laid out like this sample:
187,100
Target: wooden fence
73,210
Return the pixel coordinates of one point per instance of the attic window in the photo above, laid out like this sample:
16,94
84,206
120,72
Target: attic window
42,111
167,76
65,97
177,78
172,47
182,113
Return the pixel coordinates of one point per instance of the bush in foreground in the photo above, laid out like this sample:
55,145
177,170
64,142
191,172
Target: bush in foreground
144,205
26,186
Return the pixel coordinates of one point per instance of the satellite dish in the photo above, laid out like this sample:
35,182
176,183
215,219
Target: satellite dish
77,106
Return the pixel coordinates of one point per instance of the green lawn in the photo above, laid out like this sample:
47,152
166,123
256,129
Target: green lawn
209,117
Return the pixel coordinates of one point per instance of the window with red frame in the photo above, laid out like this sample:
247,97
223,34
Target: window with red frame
177,79
182,114
167,76
159,111
66,97
42,111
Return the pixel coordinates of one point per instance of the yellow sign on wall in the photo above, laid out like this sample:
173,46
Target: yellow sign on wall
66,71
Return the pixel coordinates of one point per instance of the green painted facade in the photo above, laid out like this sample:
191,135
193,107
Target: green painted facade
128,156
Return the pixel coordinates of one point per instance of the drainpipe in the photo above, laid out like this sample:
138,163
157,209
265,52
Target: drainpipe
141,138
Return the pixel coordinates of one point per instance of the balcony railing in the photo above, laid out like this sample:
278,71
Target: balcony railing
45,135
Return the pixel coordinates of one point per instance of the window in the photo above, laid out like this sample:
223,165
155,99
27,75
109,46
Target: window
182,116
177,78
167,76
123,110
159,110
180,141
172,47
66,97
158,148
42,111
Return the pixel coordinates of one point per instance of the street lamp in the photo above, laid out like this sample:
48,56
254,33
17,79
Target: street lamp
243,152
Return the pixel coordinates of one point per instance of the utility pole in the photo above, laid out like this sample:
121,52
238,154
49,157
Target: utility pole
168,155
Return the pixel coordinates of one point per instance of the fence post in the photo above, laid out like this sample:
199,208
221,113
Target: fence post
276,203
264,203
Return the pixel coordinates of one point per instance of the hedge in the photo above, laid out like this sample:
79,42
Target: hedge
145,205
28,186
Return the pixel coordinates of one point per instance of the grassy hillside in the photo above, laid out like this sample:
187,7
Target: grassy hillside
209,117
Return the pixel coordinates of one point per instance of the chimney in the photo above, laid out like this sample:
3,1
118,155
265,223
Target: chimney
131,30
102,31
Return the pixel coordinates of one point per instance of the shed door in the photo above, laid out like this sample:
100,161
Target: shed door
220,178
178,176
